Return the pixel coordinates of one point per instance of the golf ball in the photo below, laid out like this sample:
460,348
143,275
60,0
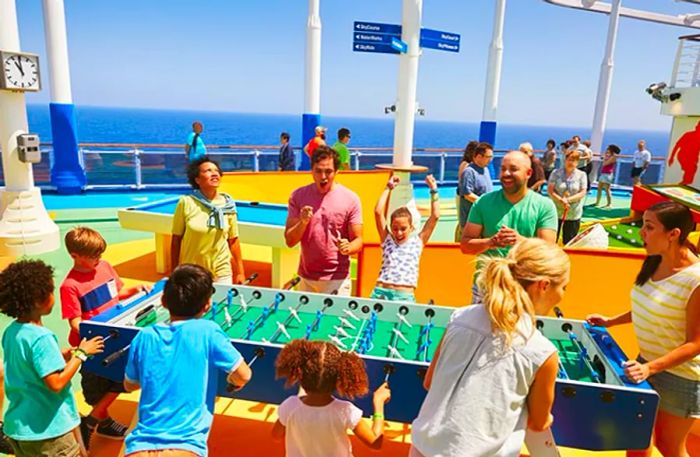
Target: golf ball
614,227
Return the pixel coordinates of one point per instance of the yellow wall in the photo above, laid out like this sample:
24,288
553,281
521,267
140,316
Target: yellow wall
276,187
600,281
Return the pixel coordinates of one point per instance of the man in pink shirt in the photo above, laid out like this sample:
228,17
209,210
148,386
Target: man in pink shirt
326,217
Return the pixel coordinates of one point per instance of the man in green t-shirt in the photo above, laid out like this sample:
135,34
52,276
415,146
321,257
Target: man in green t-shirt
501,218
341,148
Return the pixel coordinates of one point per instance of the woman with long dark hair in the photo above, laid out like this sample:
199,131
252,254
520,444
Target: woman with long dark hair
666,317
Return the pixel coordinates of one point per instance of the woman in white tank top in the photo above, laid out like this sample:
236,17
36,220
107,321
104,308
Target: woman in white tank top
493,373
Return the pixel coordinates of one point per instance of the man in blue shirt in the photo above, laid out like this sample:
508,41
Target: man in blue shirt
195,148
177,367
475,182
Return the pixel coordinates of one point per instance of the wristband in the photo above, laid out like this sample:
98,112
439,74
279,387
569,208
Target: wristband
377,416
80,354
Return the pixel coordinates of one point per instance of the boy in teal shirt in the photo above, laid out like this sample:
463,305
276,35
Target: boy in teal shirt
41,417
341,148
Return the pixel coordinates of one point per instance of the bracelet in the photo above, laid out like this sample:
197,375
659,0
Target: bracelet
377,416
80,354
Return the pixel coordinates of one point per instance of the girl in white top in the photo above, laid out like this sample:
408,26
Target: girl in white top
666,317
401,246
493,373
315,424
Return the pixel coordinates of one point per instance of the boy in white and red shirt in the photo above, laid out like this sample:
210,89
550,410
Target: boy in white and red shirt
90,288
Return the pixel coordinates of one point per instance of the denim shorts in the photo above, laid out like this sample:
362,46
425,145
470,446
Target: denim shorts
383,293
605,178
679,396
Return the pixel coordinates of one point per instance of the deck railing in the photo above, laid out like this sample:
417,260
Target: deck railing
152,166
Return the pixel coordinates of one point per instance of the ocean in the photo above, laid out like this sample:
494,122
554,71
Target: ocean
128,125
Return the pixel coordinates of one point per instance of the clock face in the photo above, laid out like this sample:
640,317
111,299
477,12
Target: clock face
20,71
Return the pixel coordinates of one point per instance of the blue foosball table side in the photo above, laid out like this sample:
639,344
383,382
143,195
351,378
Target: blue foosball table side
613,414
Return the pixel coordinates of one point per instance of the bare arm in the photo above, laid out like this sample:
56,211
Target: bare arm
597,319
131,386
373,436
548,235
541,396
472,242
380,211
355,239
58,380
432,221
75,324
234,245
278,431
187,151
240,376
175,244
296,226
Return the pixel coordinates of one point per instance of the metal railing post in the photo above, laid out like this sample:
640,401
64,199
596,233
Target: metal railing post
357,160
137,169
443,159
256,160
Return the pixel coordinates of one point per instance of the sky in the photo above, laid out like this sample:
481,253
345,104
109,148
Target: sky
248,56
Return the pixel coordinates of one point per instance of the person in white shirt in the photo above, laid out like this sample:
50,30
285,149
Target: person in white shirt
493,374
315,423
640,162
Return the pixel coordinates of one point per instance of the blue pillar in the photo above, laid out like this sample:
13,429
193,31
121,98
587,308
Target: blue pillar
67,174
487,132
309,122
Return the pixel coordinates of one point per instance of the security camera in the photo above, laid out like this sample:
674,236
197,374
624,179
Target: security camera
674,96
656,87
389,109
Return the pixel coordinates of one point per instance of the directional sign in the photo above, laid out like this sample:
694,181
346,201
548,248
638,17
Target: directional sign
399,45
442,41
371,47
376,27
375,38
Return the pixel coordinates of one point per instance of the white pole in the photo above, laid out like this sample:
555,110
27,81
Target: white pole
408,82
605,80
493,73
13,112
312,82
57,51
25,226
312,78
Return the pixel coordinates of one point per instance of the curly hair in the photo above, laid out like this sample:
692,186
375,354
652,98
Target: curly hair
320,367
193,170
325,152
24,285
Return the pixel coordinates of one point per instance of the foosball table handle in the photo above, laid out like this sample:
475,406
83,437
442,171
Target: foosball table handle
258,353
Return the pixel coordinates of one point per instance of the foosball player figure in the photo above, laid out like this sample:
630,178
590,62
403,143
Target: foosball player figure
315,423
174,365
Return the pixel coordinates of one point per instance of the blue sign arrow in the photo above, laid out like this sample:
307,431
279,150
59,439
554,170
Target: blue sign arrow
439,45
376,27
372,47
399,45
437,35
376,38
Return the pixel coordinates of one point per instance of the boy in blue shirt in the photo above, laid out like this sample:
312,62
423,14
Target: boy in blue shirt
177,367
41,417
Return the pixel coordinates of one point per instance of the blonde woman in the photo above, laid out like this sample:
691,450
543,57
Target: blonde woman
493,373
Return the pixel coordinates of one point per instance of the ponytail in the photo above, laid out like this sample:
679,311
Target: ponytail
352,377
504,282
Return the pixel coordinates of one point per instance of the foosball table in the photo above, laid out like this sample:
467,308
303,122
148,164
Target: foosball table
595,408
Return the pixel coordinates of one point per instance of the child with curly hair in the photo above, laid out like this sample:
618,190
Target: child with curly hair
42,415
315,423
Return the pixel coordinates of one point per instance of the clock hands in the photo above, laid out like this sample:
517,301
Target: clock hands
18,63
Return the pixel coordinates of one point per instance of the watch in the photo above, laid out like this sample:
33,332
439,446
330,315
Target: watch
20,71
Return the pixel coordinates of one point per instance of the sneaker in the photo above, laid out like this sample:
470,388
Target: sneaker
87,426
5,446
109,428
